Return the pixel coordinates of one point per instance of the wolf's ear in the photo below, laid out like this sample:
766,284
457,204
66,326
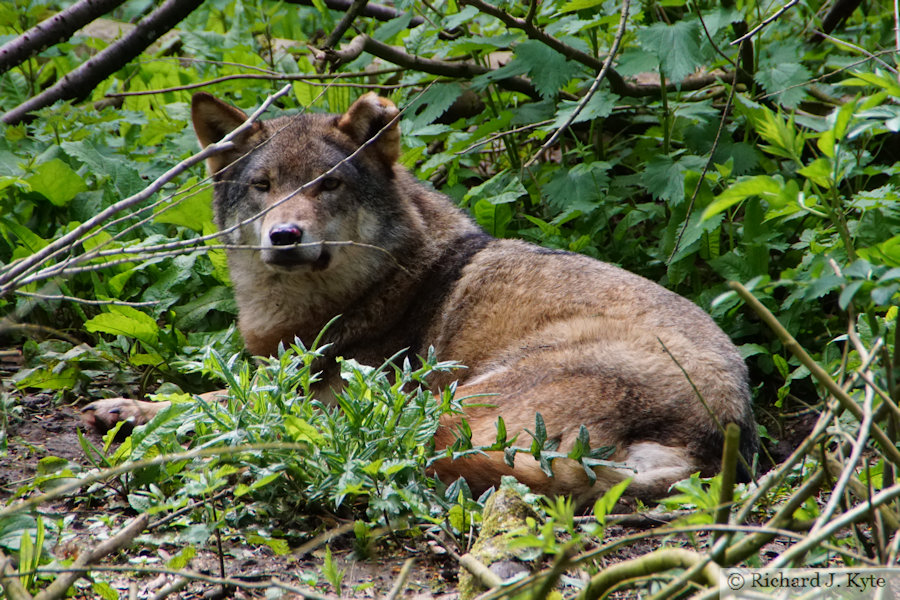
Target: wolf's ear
213,120
367,117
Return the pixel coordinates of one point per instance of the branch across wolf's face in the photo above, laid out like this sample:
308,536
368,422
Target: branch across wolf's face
295,188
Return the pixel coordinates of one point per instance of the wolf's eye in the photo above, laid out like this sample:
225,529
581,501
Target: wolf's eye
330,183
260,184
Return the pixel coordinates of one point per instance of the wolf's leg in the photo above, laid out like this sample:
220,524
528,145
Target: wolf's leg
102,415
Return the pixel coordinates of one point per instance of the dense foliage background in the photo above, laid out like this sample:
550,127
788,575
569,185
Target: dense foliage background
644,134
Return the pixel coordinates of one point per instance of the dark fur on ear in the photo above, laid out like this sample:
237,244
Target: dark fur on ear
213,120
368,116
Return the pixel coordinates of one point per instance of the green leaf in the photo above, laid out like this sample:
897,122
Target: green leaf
192,314
127,321
765,186
103,163
848,293
549,70
502,188
582,188
676,45
45,379
784,138
30,241
664,178
277,545
191,207
575,5
56,181
605,503
182,559
785,80
301,430
429,106
600,105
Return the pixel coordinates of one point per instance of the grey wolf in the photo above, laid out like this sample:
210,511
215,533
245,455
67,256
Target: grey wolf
578,340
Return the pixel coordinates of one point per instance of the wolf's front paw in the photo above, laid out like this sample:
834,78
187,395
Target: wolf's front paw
102,415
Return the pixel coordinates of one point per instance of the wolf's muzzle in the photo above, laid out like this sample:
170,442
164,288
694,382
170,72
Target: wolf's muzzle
284,251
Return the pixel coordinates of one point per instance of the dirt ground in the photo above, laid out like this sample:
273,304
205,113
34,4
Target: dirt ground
40,426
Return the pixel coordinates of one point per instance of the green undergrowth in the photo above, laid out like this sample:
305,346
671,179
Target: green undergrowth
783,178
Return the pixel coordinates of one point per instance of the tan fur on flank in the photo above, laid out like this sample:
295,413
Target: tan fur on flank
578,340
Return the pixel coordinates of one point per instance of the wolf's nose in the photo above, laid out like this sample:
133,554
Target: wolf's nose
285,234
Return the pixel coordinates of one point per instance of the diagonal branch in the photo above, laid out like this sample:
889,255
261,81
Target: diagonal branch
51,31
346,21
376,11
79,83
462,70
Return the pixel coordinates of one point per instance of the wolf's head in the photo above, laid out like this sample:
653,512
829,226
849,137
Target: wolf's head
307,191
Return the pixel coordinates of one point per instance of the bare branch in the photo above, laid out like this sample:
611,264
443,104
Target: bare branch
78,84
462,70
376,11
759,27
124,537
345,22
51,31
271,76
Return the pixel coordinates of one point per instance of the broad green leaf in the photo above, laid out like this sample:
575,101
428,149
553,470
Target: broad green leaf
30,241
677,46
277,545
301,430
820,171
45,379
127,321
549,70
785,80
429,106
56,181
664,178
492,217
764,186
182,559
191,207
581,188
191,314
600,105
574,5
124,176
502,188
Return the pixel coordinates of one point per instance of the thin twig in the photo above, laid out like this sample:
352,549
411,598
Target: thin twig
400,583
50,297
9,580
308,79
756,29
706,167
121,539
601,75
